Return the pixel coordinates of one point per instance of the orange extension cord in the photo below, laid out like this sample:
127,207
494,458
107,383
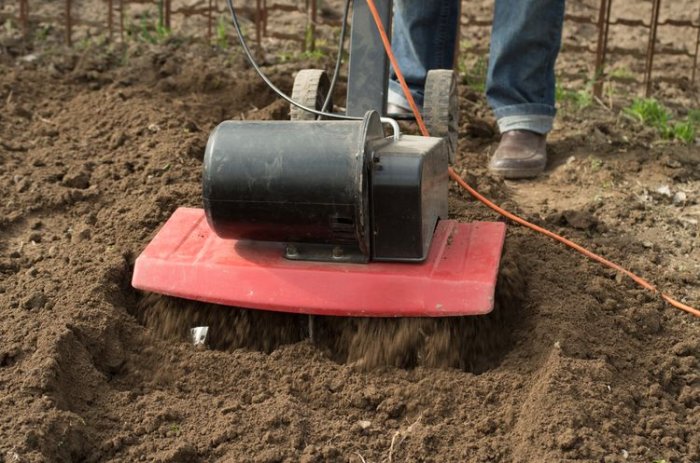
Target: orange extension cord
424,131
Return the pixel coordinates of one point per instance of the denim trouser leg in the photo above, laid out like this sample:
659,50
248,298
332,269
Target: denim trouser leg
424,38
525,41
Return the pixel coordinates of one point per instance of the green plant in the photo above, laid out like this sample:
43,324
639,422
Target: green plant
651,113
9,25
222,33
596,164
152,32
684,131
580,99
310,37
316,54
42,33
285,56
621,73
475,75
694,116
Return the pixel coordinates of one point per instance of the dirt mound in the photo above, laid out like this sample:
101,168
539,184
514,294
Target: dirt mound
468,343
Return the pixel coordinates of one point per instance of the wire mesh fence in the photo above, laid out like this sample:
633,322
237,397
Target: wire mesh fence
646,52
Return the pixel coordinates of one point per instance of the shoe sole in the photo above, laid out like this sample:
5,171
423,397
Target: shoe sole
515,174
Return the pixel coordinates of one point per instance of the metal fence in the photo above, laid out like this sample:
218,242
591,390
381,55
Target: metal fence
259,11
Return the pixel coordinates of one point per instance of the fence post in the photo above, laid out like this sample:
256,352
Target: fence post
69,24
314,18
601,47
168,9
697,49
209,20
264,18
258,22
651,48
110,21
121,20
24,16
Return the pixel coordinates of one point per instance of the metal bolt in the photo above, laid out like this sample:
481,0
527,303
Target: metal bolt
337,252
292,250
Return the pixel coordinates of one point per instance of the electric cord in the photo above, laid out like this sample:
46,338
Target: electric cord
339,59
460,181
254,64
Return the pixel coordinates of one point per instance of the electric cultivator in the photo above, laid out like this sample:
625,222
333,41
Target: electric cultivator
326,214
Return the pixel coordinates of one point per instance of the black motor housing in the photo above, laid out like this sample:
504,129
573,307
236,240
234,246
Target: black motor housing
336,185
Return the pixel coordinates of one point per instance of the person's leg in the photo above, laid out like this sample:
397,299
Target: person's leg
423,38
520,87
525,42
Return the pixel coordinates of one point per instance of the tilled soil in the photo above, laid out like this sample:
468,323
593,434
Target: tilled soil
578,365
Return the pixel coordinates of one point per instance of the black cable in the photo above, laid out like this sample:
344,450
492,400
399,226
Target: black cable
251,60
339,59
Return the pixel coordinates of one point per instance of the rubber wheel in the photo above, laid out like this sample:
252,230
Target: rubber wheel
441,107
310,89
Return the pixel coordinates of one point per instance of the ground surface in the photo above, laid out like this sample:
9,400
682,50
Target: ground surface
97,150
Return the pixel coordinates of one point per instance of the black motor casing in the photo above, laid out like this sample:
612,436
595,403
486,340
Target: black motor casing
326,182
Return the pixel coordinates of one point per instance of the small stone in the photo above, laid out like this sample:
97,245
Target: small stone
153,128
82,233
664,190
364,424
35,301
22,112
679,198
117,140
191,126
22,185
80,180
34,237
393,407
647,244
609,304
567,440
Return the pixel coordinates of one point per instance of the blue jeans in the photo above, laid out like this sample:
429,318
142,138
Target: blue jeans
525,42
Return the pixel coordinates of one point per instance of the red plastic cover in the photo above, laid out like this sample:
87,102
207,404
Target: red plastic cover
186,259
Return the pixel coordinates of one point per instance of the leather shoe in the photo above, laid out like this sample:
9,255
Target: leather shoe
520,154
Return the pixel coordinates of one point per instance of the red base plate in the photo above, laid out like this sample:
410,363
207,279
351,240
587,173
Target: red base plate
186,259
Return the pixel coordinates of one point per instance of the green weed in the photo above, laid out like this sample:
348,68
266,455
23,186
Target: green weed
43,32
473,72
9,26
651,113
309,38
475,75
152,32
222,33
285,56
579,99
694,116
684,131
315,55
621,73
